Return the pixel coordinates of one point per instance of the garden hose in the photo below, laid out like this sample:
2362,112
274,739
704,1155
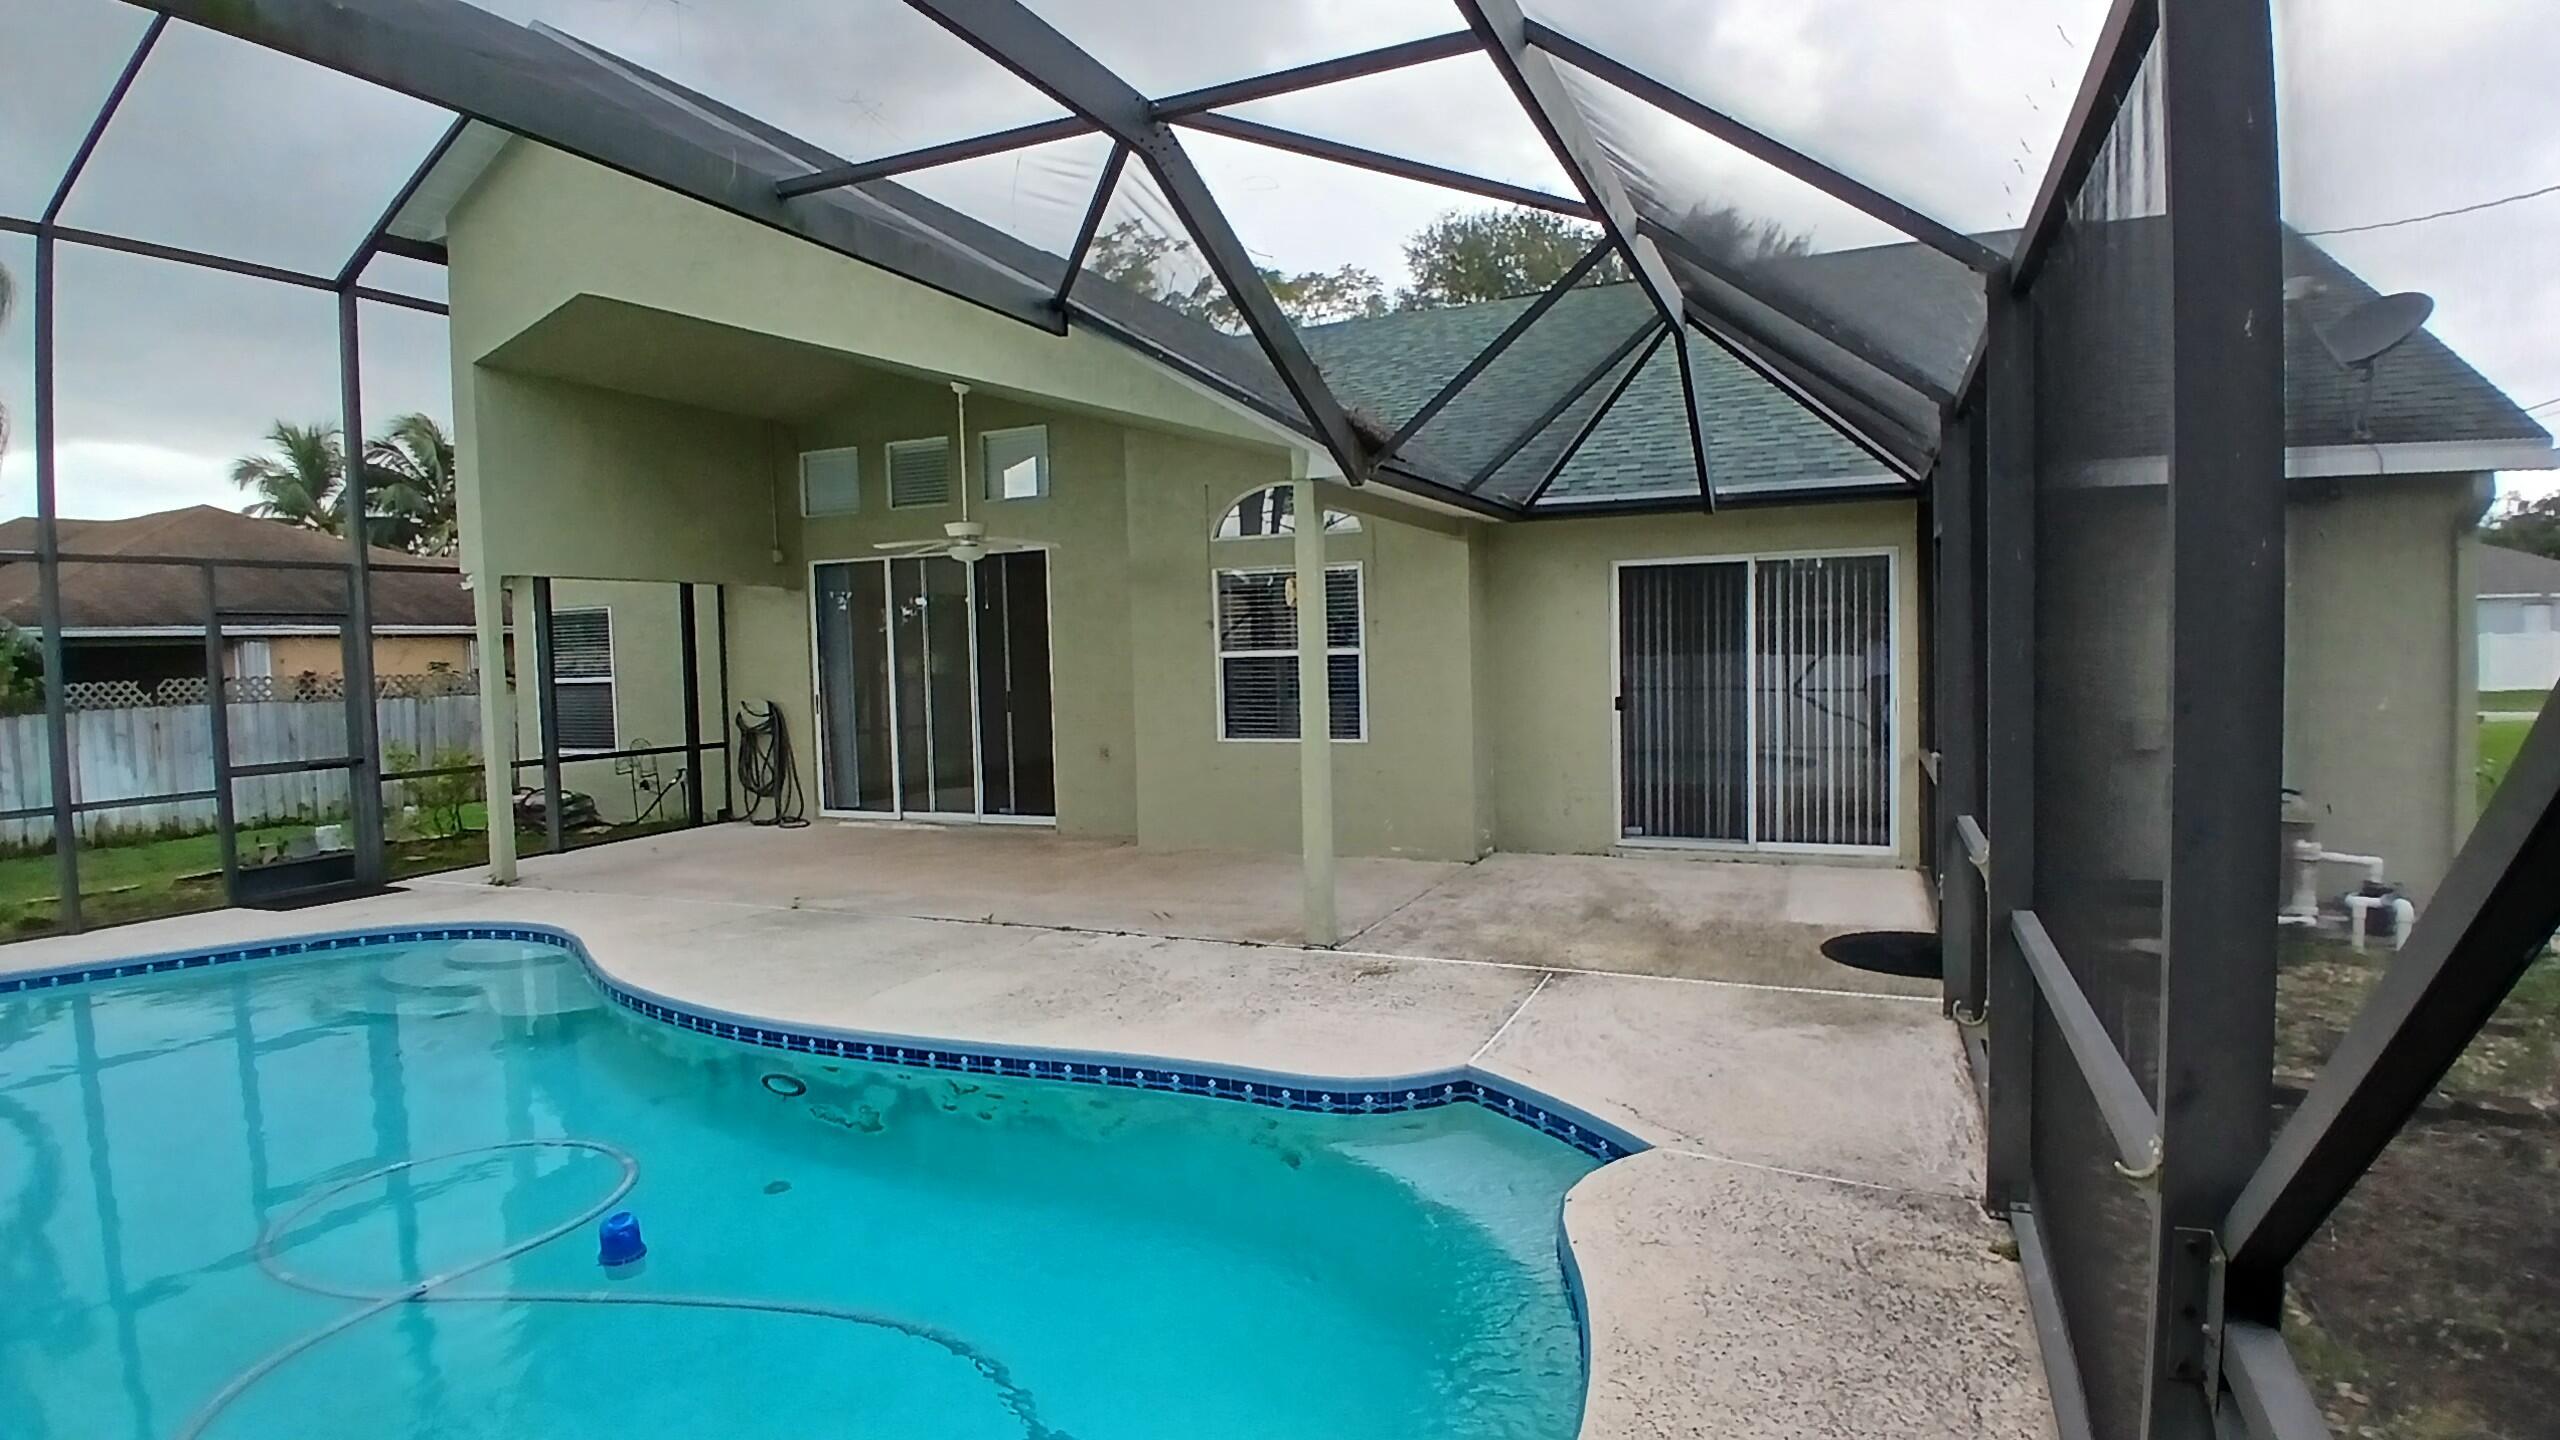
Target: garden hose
766,770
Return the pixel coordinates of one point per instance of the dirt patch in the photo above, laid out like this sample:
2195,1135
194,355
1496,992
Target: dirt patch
2428,1308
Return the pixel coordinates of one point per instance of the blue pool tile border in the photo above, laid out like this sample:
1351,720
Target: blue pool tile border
1591,1136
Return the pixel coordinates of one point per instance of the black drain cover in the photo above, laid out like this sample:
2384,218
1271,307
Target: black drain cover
1909,953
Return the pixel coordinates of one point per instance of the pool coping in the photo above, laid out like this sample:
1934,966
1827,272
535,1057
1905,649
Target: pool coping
1272,1089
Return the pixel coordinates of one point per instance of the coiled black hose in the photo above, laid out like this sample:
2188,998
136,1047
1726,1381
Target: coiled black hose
766,770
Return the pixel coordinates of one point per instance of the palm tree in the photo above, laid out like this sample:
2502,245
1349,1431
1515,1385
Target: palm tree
298,484
409,473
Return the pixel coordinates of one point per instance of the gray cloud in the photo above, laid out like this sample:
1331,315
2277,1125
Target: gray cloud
2389,110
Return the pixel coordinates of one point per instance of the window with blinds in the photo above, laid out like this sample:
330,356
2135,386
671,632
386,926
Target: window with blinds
919,473
831,481
582,665
1257,654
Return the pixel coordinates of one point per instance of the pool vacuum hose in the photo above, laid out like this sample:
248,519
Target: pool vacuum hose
435,1289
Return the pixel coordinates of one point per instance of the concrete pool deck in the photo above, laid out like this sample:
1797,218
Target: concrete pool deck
1800,1255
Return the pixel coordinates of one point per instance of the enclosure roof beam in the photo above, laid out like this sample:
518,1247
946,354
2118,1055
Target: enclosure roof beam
1092,225
206,260
1953,243
1322,72
2489,921
98,125
1852,341
2121,49
1519,326
1276,138
471,61
372,242
1652,331
1008,33
1582,436
1543,95
1040,132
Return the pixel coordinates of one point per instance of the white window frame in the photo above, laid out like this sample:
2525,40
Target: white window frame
1896,656
987,469
1219,654
889,469
852,451
1218,528
610,679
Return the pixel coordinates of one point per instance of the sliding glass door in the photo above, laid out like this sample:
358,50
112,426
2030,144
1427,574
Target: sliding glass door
933,687
1755,702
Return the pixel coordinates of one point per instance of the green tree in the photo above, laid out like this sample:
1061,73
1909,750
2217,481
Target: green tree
409,481
1470,255
298,483
1133,255
2522,524
21,671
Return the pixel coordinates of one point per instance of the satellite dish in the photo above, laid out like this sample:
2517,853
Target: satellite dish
2364,335
2369,331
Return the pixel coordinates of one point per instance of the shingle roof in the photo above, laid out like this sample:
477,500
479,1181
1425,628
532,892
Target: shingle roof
1759,438
138,596
2516,572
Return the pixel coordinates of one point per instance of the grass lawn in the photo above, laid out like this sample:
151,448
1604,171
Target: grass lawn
2499,741
2513,699
151,878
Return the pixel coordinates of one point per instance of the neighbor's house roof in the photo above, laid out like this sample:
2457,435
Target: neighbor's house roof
171,597
2503,571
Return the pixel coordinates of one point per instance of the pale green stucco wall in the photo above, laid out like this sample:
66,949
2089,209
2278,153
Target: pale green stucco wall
1549,592
2380,729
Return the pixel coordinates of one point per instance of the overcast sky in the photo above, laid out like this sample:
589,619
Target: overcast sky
2390,110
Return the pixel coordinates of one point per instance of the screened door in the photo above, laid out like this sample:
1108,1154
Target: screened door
1683,692
933,687
1755,702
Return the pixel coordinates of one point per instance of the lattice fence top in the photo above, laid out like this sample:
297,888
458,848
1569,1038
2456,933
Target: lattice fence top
262,689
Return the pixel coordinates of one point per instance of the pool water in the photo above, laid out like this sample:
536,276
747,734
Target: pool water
834,1249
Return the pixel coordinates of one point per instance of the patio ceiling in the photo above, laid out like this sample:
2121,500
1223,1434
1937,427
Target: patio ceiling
1148,171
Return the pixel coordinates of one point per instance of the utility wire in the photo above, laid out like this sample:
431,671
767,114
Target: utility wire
2545,405
2438,214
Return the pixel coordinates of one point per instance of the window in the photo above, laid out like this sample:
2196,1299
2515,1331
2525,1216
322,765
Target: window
1258,654
1016,462
831,481
582,662
919,473
1266,512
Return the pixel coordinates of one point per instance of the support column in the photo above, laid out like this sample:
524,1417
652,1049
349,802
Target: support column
364,730
57,704
1315,718
497,725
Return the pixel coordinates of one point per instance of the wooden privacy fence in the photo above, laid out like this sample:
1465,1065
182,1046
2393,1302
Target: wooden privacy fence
168,749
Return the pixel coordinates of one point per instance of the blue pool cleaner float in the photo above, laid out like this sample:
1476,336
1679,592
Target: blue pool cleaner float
618,1239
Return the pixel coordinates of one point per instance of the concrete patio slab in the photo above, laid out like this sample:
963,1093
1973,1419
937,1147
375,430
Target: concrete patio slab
1799,1258
1008,875
1660,915
1866,1088
1733,1303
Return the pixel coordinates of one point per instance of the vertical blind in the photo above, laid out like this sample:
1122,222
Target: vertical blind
1258,654
1756,701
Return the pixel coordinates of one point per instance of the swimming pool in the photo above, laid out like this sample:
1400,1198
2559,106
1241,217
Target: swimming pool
355,1193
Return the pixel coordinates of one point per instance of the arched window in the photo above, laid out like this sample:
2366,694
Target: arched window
1266,512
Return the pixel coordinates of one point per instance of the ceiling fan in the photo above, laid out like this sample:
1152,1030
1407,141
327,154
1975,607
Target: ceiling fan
964,539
